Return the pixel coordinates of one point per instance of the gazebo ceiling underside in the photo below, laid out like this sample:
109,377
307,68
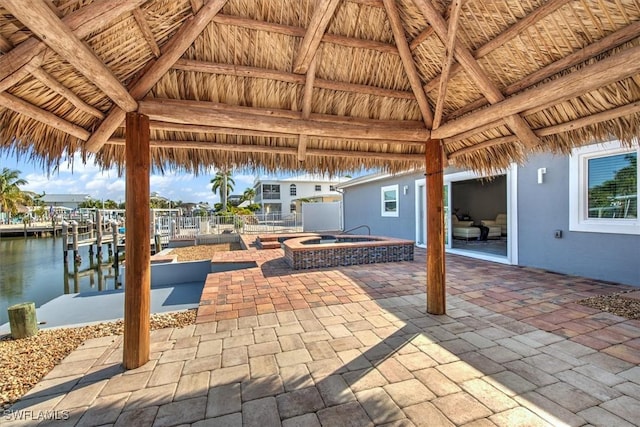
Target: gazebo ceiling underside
323,86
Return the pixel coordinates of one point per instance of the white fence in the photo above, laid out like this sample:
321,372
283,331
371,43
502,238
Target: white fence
189,227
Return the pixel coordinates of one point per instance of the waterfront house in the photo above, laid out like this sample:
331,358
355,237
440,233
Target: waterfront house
574,214
286,195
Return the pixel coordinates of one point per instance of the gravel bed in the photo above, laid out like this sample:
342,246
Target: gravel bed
200,252
617,304
24,362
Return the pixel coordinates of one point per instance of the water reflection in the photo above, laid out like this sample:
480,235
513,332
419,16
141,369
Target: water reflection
99,273
32,270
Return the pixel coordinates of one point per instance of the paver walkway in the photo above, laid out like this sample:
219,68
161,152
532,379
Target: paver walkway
353,346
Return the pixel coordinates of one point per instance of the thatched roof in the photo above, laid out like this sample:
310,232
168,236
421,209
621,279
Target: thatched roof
322,86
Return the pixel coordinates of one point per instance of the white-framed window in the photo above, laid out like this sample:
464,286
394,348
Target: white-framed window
389,200
292,208
332,188
293,190
318,187
603,189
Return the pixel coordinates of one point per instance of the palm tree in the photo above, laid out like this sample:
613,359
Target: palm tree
249,194
224,183
10,194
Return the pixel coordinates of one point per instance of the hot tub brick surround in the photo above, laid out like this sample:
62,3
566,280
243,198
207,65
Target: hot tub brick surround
360,250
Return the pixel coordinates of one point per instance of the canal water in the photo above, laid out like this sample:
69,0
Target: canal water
32,270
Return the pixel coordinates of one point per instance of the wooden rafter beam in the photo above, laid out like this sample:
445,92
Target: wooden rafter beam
320,19
615,113
41,20
516,123
611,41
82,22
36,113
370,3
617,67
5,44
178,44
196,5
138,15
307,99
204,113
254,72
21,73
502,38
456,6
484,144
289,30
65,92
200,145
407,61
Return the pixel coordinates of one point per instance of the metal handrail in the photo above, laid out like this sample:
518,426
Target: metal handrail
355,228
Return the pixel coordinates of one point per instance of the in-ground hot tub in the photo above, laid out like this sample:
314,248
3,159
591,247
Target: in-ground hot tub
340,250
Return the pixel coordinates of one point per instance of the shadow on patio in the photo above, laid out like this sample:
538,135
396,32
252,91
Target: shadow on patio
353,346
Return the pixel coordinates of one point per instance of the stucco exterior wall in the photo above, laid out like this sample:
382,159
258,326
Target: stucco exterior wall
544,208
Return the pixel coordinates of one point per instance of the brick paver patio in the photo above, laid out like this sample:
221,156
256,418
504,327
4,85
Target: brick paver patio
353,346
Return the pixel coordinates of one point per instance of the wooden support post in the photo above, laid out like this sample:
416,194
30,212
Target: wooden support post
137,293
22,320
435,229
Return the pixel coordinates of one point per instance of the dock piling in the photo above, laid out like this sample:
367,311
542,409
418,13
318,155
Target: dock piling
65,246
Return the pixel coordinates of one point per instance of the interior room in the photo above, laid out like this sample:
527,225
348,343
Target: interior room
478,215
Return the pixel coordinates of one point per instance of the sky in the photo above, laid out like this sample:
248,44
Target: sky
78,178
90,179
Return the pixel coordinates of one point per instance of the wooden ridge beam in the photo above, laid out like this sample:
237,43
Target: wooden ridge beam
201,145
320,19
407,61
289,30
204,113
82,22
254,72
288,114
36,113
177,127
296,115
516,123
609,70
174,49
611,41
450,44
